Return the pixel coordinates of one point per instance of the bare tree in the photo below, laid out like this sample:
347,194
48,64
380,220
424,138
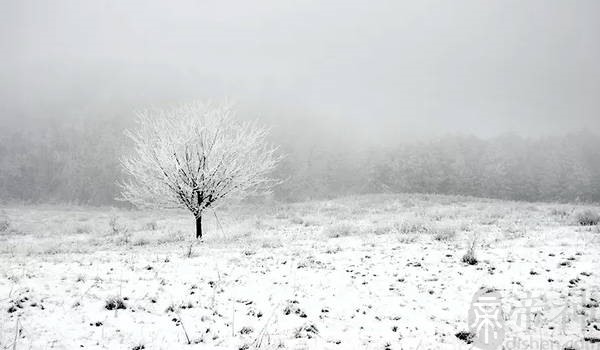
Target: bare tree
195,156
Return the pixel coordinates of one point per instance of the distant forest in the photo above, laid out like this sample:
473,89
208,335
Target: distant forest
78,163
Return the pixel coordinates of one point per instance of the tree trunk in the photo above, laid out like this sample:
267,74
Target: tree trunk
199,227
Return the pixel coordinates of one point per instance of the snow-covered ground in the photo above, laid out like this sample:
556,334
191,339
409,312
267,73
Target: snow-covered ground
368,272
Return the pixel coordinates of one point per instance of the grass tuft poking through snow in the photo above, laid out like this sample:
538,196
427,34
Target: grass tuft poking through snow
588,218
443,233
469,257
341,230
4,222
115,303
372,271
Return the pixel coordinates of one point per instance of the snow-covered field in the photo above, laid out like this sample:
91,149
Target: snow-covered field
368,272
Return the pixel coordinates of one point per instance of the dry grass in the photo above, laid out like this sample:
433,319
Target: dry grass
384,247
54,230
588,217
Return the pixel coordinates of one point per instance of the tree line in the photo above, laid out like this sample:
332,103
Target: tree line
78,162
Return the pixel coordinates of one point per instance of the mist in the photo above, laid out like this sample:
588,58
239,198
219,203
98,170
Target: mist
342,77
388,68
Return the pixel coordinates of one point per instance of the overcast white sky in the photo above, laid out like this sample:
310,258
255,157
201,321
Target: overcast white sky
390,68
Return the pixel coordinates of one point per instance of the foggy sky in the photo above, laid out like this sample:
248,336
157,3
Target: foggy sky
384,69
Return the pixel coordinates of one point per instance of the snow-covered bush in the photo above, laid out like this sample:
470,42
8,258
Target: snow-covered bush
588,218
115,224
341,230
469,257
414,226
151,226
4,222
115,303
443,233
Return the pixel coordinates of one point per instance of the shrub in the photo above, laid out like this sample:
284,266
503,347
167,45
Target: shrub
514,232
307,330
116,225
123,239
297,220
443,233
414,226
341,230
115,303
383,229
588,218
189,252
272,244
83,229
80,278
467,337
171,308
310,221
560,212
305,221
469,257
4,222
408,238
246,330
466,226
141,242
151,226
281,214
113,223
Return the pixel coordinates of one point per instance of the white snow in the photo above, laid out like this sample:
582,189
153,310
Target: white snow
276,277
